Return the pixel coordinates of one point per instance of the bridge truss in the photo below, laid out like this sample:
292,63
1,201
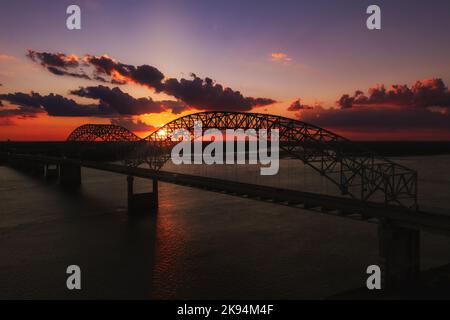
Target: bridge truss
356,171
102,132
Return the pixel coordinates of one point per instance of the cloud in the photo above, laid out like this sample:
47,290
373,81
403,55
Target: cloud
345,101
196,93
58,63
176,107
8,113
116,99
124,104
20,112
206,94
53,104
424,93
112,102
60,72
280,57
57,105
297,106
423,107
374,118
132,125
121,73
432,92
59,60
23,99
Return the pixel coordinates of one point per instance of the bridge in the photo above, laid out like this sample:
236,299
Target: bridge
372,188
356,171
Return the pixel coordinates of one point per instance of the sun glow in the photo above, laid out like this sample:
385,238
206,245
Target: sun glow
162,132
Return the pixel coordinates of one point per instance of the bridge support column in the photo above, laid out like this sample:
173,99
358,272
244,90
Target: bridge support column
69,175
50,171
141,203
399,255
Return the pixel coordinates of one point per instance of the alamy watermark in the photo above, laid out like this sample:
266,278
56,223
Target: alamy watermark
263,147
374,20
73,21
374,280
73,281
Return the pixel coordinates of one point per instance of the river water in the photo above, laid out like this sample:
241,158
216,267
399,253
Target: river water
200,244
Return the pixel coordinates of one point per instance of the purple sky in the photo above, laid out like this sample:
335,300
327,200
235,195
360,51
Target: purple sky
282,50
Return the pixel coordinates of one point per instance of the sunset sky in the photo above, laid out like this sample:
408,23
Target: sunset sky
141,64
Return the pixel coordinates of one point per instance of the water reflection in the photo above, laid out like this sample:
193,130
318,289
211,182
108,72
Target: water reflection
199,245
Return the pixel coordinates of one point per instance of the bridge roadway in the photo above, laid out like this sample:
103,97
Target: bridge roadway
340,206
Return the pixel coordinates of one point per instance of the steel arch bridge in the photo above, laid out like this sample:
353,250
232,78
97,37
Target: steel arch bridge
356,171
102,132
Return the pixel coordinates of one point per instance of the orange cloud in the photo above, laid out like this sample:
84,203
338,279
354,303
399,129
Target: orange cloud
280,57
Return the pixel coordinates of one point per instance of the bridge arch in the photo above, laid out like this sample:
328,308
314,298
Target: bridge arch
356,171
102,132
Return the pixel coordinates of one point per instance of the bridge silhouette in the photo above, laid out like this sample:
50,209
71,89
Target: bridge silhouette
372,188
356,171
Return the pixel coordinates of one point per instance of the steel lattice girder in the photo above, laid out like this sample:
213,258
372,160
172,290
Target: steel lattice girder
104,132
343,162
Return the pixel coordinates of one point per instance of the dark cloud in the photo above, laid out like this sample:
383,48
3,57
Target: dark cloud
346,101
371,118
131,124
59,60
57,105
424,93
147,75
119,101
144,75
176,107
429,93
112,102
20,112
53,104
125,104
196,92
297,106
423,106
60,72
23,99
103,64
205,94
58,63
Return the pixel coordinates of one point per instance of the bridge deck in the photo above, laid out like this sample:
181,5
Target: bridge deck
345,207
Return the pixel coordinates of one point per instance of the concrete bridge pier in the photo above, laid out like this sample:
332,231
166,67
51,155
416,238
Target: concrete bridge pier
141,203
399,256
69,175
50,171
